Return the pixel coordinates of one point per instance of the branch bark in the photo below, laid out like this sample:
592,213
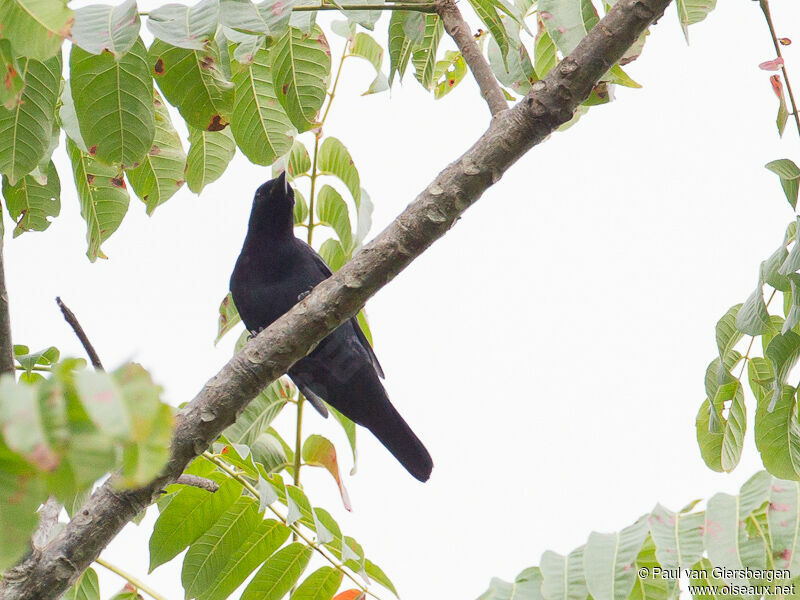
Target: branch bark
72,320
458,29
6,347
266,357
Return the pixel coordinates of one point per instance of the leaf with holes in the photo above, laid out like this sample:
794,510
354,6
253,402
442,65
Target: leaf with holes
210,153
401,46
567,23
335,159
27,128
424,55
30,202
11,82
260,126
301,66
99,28
190,27
448,73
36,28
192,81
103,197
279,573
161,172
113,101
332,211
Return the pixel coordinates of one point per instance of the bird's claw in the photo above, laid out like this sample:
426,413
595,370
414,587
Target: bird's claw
254,333
303,295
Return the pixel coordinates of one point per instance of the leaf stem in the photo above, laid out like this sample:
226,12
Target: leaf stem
137,583
427,7
298,439
42,369
765,9
753,339
295,529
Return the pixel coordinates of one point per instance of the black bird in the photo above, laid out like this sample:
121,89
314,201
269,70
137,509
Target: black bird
273,272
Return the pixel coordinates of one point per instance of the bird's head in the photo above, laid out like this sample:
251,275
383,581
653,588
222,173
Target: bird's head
273,208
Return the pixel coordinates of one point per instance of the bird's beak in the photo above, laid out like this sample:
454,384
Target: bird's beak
282,182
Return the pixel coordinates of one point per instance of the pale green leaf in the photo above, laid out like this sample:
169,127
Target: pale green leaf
784,524
678,537
268,18
567,22
210,152
31,203
783,352
753,318
563,576
228,316
400,45
424,55
777,435
113,100
36,28
10,75
693,11
365,46
608,560
100,28
189,27
789,175
334,159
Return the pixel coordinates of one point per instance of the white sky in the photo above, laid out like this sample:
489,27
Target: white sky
549,351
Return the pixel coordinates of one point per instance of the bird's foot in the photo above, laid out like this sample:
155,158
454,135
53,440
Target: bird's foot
304,294
254,333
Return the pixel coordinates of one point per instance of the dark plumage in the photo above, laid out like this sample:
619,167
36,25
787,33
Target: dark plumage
272,273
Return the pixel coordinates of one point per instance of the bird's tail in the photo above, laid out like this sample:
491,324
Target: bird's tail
394,433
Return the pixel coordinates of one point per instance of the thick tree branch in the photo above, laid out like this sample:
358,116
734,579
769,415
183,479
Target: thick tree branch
549,103
457,28
70,318
6,347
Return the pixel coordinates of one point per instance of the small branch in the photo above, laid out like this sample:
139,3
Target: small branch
457,28
6,347
48,519
199,482
765,8
428,7
137,583
70,318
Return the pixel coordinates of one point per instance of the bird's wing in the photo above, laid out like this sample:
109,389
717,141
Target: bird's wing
326,272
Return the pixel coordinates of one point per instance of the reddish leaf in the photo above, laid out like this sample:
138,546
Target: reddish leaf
320,452
350,595
771,65
785,41
777,85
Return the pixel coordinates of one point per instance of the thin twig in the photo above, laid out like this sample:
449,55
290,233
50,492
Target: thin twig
70,318
457,28
6,347
198,482
765,8
48,519
135,582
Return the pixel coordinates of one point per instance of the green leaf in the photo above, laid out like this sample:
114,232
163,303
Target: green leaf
320,452
103,197
365,18
36,28
617,75
349,430
69,118
304,20
544,52
113,102
783,352
727,335
784,524
189,27
334,159
514,70
653,586
23,428
424,55
771,269
87,587
485,9
189,515
702,575
678,537
268,18
99,28
27,360
223,557
693,11
228,317
607,561
279,573
567,22
793,318
300,208
161,172
10,75
333,254
299,162
26,129
526,586
563,575
725,532
191,80
210,152
301,66
365,208
364,46
320,585
753,318
332,211
260,126
400,45
448,73
103,402
789,174
377,574
30,203
778,435
258,415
